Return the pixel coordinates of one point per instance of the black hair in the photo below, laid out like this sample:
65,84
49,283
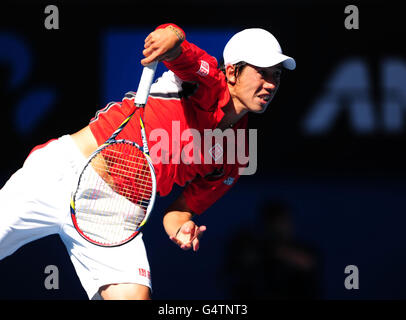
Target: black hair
238,67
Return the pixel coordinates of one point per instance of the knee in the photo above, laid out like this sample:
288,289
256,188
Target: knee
125,291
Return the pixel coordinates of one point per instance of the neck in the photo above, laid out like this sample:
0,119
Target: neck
231,115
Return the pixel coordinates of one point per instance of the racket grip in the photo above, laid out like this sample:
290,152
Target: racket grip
144,86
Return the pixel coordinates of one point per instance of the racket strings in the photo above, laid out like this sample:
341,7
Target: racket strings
126,179
116,189
115,156
130,172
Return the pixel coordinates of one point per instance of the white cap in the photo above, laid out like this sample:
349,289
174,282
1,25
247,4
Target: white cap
257,47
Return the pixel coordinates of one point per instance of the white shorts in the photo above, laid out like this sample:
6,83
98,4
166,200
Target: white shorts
35,203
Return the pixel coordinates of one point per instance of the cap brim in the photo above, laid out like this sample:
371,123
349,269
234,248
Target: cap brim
287,62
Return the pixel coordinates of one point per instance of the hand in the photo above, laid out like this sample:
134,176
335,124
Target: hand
188,236
162,44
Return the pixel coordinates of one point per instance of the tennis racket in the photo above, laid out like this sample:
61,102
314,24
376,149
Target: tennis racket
115,193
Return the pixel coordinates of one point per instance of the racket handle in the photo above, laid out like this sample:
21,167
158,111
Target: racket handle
144,86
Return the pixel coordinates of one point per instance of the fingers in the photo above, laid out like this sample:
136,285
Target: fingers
189,236
186,235
159,45
152,48
147,39
151,54
183,236
176,241
149,59
196,239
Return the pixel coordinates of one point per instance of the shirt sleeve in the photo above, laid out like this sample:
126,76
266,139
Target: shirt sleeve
108,119
197,66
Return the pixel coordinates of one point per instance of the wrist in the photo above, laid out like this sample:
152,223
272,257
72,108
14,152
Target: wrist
179,33
173,54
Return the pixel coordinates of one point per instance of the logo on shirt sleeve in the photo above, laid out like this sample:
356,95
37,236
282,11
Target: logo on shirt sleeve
204,68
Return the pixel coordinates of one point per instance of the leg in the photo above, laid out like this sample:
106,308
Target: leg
117,273
125,291
25,214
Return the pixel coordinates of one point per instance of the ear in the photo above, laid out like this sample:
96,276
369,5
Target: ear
230,74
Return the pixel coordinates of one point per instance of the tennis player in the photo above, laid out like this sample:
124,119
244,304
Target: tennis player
194,94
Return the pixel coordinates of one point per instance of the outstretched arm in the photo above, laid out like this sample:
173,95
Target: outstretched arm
179,226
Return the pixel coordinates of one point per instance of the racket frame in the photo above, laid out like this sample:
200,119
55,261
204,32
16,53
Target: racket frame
139,103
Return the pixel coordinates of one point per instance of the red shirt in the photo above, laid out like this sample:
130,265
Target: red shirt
169,114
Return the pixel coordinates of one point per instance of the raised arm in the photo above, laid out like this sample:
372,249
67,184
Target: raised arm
189,62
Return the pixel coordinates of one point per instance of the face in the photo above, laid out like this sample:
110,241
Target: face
255,87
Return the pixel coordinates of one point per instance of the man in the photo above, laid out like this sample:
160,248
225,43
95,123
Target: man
252,67
194,94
